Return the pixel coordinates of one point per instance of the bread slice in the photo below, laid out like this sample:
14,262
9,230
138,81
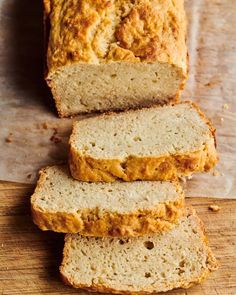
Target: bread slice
63,204
175,259
114,55
158,143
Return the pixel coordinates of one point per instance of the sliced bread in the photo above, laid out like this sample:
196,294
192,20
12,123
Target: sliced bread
175,259
110,55
158,143
63,204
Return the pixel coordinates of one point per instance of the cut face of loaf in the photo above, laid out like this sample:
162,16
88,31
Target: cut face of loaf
159,143
175,259
114,55
63,204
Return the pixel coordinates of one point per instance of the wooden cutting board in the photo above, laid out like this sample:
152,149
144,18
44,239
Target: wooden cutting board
30,258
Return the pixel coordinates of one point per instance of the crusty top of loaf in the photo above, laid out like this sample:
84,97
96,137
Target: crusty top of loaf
98,31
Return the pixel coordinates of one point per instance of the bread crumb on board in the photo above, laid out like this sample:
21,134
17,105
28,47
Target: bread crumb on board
185,178
214,208
45,126
54,138
216,173
8,139
225,106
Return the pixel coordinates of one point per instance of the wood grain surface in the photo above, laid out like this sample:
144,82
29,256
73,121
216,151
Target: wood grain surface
30,258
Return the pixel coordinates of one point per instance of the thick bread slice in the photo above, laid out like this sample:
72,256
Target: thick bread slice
158,143
113,55
63,204
175,259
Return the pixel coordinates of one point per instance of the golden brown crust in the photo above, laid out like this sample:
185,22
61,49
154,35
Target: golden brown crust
87,31
47,7
93,223
211,265
46,29
84,167
105,31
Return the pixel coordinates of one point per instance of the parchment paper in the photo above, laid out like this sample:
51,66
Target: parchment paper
31,135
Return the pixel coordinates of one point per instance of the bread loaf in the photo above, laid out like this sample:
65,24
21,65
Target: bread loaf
113,55
158,143
148,264
63,204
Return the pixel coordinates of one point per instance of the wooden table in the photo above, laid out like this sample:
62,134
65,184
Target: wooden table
29,258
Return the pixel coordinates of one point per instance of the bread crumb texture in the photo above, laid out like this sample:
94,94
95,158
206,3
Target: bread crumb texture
172,141
176,259
103,31
63,204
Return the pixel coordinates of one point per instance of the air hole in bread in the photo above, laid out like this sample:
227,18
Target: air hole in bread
147,275
123,165
121,242
93,267
137,138
180,271
182,263
163,275
149,245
